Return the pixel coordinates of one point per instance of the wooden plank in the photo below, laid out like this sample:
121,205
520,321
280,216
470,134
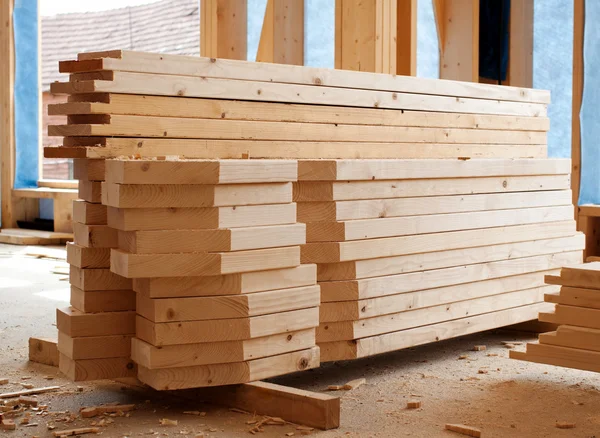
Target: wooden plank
176,195
588,273
459,55
238,329
201,172
89,170
330,211
94,347
62,214
44,351
571,315
343,350
44,193
332,252
295,405
404,226
95,236
369,170
282,35
88,213
223,30
75,323
145,219
234,239
441,259
201,264
355,190
573,337
228,307
226,68
578,63
97,369
188,86
91,258
90,191
92,301
229,374
172,127
560,356
224,149
520,56
165,106
97,279
176,356
19,236
406,38
330,331
349,290
573,296
232,284
57,183
265,51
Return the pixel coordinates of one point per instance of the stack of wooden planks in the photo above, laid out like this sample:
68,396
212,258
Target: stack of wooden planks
414,251
213,248
133,103
576,341
95,332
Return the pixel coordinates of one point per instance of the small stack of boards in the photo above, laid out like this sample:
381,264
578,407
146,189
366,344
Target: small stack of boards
414,251
430,207
95,333
213,247
576,341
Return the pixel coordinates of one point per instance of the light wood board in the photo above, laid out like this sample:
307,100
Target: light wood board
92,301
97,279
97,369
75,323
94,347
91,258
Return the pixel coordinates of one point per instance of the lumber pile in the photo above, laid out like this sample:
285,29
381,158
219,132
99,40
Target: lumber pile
576,341
213,248
144,104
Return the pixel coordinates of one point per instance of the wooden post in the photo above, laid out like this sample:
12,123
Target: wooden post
406,39
458,35
366,35
520,58
578,27
224,29
282,36
7,116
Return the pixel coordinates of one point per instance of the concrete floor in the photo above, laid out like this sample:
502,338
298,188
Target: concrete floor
513,399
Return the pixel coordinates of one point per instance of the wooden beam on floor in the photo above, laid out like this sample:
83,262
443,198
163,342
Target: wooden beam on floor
458,28
282,36
521,44
223,29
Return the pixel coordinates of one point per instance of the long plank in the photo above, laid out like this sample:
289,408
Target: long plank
356,190
91,258
229,374
97,369
583,275
572,315
441,259
238,329
97,279
560,356
200,264
75,323
234,239
200,171
177,195
344,350
95,236
94,347
364,289
332,252
294,405
232,284
164,106
176,356
227,307
573,296
573,337
210,67
92,301
146,219
331,211
367,170
405,226
88,213
174,127
349,330
232,149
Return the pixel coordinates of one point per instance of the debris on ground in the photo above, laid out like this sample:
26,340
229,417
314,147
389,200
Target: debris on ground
73,432
352,384
29,392
266,421
167,422
413,404
7,425
109,409
463,357
479,348
198,413
3,381
464,430
565,425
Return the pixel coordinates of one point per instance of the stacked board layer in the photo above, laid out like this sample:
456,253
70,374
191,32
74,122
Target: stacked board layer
143,104
576,341
414,251
213,250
